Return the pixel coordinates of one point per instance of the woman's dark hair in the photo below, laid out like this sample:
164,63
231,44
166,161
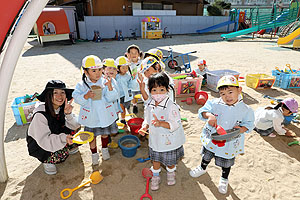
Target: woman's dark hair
157,80
84,77
49,104
279,105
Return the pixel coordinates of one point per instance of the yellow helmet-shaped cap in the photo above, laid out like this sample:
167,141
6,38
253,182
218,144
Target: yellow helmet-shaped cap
228,80
158,54
147,63
109,62
122,60
92,62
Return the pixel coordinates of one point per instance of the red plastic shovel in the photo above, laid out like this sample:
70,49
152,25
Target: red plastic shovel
147,173
220,130
189,101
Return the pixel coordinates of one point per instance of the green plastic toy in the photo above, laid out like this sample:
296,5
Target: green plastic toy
294,142
180,77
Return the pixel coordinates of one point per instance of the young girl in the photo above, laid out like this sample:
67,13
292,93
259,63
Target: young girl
150,66
166,135
202,69
51,126
125,82
134,55
96,95
269,119
158,55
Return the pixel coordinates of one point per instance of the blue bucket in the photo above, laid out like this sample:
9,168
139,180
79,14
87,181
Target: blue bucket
129,145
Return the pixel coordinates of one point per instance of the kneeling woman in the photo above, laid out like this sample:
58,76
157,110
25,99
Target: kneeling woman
48,137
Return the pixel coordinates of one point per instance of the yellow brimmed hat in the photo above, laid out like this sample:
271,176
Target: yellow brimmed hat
122,60
227,80
91,62
109,62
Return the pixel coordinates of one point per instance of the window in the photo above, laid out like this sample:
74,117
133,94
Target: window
152,6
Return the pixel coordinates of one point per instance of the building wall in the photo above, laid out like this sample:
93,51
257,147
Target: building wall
188,9
111,7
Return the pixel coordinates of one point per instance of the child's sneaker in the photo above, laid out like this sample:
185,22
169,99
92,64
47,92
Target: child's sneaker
223,185
105,154
155,181
95,158
49,168
171,178
73,150
198,171
135,109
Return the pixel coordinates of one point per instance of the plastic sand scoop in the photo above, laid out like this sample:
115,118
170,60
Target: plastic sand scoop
230,134
83,137
147,173
95,178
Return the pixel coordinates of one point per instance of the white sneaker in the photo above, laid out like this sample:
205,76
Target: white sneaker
105,154
223,185
155,181
198,171
73,151
171,180
49,168
95,158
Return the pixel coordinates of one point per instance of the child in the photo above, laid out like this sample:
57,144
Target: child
150,66
134,55
229,112
166,135
202,69
96,95
125,84
158,55
269,119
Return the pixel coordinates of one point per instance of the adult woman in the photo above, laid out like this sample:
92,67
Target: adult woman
51,126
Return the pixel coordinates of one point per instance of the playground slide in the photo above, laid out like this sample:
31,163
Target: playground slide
290,38
256,28
205,30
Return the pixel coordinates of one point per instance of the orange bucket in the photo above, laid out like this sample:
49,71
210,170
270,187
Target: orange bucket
135,124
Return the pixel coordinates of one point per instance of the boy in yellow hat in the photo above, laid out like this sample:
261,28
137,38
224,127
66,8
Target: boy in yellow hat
229,111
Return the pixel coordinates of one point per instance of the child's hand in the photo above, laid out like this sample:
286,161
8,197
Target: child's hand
142,131
108,83
212,120
140,80
289,134
243,129
156,122
69,139
89,94
68,106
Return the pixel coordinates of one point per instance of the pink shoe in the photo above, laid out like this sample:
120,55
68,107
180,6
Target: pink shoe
155,181
272,135
171,178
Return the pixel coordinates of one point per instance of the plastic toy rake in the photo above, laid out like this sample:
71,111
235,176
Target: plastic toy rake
147,173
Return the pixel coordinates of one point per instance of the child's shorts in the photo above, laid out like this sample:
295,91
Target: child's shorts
125,104
167,158
264,132
219,161
113,128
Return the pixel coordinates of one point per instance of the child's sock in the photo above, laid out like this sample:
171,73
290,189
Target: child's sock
171,170
104,141
94,150
155,171
134,104
225,172
204,164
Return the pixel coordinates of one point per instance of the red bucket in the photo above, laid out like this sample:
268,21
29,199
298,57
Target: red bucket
135,124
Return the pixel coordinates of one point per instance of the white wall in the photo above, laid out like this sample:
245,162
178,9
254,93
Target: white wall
107,25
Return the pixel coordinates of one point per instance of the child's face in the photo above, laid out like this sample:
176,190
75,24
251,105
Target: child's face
201,67
111,72
159,90
123,69
150,71
133,55
230,95
286,112
94,74
59,97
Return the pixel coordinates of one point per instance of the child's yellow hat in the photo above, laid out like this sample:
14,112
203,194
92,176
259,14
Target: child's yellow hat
156,53
122,60
92,62
109,62
228,80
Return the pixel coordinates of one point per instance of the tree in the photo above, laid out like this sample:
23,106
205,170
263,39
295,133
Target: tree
217,7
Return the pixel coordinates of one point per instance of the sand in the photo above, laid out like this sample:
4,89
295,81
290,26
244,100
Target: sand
269,169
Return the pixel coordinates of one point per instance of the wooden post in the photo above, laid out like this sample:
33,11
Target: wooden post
8,65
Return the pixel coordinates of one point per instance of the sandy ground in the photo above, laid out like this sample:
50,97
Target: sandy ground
269,169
